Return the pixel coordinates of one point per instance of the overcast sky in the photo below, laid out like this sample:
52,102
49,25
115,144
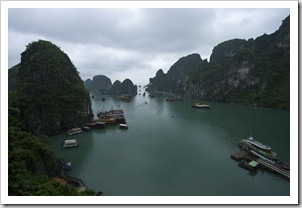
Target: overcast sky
134,43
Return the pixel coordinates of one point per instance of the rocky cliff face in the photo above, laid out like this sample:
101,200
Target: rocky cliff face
50,93
102,84
12,77
253,72
99,83
125,87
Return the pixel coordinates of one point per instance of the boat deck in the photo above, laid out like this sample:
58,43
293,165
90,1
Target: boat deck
240,155
246,155
274,168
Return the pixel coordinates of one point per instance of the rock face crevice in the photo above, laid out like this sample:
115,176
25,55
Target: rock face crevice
251,72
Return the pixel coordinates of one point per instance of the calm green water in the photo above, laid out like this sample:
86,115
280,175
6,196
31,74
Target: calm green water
173,149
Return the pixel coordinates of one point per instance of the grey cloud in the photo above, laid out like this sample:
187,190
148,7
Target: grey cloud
122,41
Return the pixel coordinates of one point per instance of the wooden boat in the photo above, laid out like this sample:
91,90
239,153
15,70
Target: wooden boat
96,125
200,105
74,131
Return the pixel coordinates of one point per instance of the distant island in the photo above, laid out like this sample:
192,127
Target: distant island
102,84
250,72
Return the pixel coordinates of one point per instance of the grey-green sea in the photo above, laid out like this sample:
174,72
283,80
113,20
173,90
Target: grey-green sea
172,149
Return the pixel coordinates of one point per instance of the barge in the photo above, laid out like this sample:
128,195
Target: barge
74,131
96,125
112,117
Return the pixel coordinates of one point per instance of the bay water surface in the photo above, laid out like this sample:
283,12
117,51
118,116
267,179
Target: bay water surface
172,149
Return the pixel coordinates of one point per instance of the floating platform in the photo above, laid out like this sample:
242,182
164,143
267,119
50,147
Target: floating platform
274,168
240,155
247,160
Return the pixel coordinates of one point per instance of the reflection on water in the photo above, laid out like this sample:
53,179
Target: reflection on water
173,149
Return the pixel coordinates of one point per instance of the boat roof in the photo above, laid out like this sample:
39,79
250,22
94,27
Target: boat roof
253,163
71,141
258,144
99,122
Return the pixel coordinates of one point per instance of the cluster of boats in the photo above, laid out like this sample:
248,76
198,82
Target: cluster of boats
126,97
111,117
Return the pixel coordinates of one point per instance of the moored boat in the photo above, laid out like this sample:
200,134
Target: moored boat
126,97
86,128
108,121
96,125
68,166
112,116
258,149
200,105
70,143
74,131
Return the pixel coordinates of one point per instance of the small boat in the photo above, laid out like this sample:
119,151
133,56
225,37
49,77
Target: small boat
200,105
74,131
70,143
86,128
68,166
126,98
123,126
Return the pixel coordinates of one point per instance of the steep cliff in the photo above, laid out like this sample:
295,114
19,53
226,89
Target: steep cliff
99,83
125,87
102,84
50,94
12,77
46,96
252,72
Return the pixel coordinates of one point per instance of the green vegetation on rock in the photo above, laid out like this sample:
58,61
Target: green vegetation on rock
250,72
50,93
46,97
